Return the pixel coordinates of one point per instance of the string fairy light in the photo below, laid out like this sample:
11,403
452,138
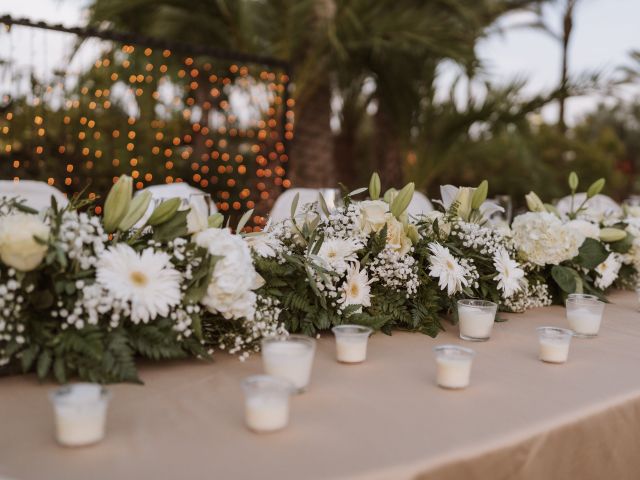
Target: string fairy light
197,133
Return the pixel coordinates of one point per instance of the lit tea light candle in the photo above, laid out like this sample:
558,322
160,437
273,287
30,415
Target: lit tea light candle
585,316
266,402
554,344
80,411
453,366
289,357
351,343
476,319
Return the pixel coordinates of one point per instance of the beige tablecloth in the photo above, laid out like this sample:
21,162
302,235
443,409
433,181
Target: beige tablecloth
384,419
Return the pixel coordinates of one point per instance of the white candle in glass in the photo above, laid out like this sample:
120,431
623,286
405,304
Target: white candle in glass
453,366
289,357
351,343
266,402
476,319
554,344
80,413
584,316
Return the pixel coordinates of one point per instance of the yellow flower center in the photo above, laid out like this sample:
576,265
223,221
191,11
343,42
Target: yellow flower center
139,278
450,265
354,290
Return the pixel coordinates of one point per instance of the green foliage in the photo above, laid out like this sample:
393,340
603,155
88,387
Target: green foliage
591,254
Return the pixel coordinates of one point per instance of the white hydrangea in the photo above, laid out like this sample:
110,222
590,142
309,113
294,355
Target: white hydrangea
234,277
542,238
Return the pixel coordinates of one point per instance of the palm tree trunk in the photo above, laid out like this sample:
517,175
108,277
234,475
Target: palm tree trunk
311,153
564,72
388,151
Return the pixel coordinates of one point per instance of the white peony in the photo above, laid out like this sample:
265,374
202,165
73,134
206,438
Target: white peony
584,228
608,271
373,215
510,276
18,247
234,276
543,239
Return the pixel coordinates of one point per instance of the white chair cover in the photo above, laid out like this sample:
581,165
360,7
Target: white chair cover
419,205
37,194
282,207
172,190
598,207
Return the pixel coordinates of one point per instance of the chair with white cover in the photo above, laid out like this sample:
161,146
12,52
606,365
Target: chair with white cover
419,205
281,209
175,190
37,195
598,208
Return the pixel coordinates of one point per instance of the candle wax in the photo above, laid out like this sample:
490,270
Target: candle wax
475,322
266,413
453,372
584,321
554,350
289,360
351,349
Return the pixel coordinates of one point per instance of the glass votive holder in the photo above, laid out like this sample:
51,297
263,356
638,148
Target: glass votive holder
351,343
582,296
554,344
80,411
453,366
476,319
584,316
289,357
266,407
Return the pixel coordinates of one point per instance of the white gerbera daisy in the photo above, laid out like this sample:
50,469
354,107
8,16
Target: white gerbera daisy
147,280
338,253
510,276
608,271
356,289
448,271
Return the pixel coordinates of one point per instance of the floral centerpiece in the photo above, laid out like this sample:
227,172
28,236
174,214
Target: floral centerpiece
84,297
574,250
354,264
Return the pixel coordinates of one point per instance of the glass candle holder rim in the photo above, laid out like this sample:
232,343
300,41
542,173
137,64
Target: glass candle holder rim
351,330
583,301
459,350
267,383
294,337
477,302
562,331
60,395
582,296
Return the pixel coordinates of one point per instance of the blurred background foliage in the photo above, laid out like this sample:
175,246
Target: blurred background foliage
364,81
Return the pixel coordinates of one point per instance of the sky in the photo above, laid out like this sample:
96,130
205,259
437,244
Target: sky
605,32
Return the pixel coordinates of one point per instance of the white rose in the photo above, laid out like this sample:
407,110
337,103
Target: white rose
396,236
18,247
373,215
584,228
234,276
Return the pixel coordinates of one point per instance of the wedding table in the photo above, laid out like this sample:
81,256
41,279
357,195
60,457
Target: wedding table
384,419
